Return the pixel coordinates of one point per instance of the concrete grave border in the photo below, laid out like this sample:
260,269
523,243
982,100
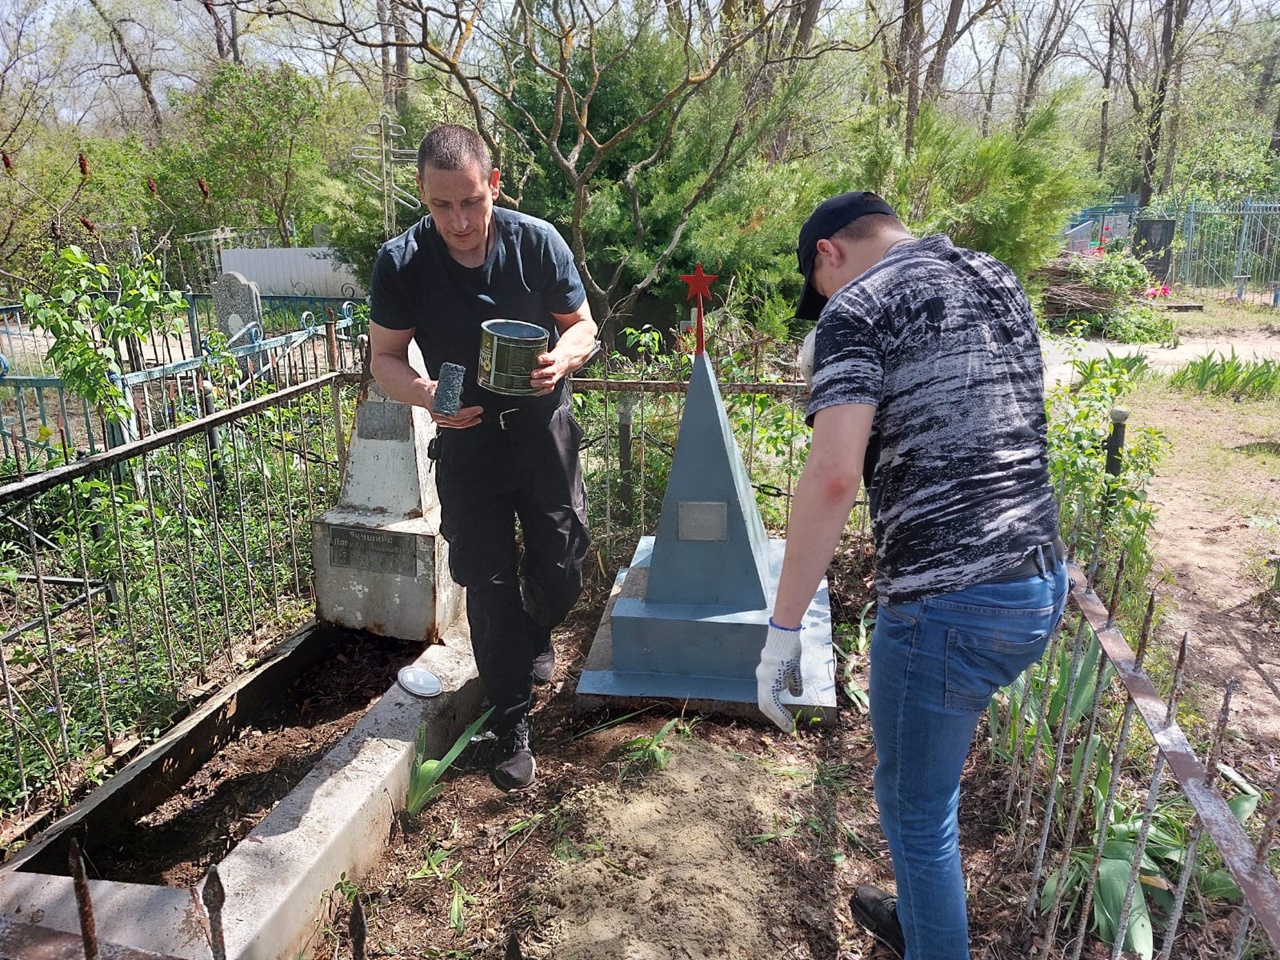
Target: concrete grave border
279,878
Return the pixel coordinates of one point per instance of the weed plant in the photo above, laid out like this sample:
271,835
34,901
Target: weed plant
651,753
1229,376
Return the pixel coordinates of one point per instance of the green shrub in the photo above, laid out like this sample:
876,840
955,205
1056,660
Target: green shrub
1135,322
1007,194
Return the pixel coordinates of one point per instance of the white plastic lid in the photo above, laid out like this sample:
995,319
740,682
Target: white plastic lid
420,682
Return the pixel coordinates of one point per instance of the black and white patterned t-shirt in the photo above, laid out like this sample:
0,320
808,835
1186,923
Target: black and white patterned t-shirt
942,342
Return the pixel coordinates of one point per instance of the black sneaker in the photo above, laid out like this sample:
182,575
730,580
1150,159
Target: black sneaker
517,769
877,911
544,664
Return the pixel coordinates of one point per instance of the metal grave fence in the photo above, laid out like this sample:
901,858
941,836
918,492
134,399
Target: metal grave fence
1233,248
168,376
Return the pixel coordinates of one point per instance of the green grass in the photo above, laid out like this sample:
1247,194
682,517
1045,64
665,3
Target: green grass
1213,436
1227,453
1229,375
1221,317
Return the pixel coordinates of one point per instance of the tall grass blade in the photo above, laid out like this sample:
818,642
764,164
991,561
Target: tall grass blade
425,775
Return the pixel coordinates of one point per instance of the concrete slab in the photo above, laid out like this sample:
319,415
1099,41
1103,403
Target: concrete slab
278,880
170,918
30,942
600,685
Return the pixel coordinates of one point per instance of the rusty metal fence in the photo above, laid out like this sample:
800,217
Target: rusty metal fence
135,579
1123,828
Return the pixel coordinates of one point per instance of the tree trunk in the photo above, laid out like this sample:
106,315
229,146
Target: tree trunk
910,39
1106,90
1047,46
1175,15
219,31
808,18
384,53
1171,139
988,105
143,76
1266,79
235,37
402,60
938,66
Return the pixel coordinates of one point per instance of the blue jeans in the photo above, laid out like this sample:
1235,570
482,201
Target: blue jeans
934,665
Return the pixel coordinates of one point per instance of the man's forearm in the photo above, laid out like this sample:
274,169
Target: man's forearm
825,494
820,510
577,344
400,381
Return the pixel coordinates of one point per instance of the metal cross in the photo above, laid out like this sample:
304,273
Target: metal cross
385,155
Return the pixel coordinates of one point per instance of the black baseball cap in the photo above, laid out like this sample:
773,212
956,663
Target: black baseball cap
829,217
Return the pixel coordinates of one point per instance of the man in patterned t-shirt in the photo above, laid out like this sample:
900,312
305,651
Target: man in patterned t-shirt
928,386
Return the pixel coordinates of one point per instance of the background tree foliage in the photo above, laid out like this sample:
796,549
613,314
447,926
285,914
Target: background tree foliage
653,134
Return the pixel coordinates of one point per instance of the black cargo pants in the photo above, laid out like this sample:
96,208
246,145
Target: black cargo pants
514,466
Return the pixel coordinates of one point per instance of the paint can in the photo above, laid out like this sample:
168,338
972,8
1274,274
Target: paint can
509,351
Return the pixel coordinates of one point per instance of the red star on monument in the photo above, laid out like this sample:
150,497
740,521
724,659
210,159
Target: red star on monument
699,286
699,282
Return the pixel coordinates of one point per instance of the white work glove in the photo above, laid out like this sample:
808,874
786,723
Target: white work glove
778,670
806,357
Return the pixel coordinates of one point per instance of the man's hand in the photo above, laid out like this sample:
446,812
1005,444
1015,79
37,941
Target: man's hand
778,670
551,369
464,418
577,345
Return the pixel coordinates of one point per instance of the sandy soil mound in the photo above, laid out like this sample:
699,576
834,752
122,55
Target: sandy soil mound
669,869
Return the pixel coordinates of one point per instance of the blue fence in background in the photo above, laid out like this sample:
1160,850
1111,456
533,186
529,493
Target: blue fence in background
297,338
1234,248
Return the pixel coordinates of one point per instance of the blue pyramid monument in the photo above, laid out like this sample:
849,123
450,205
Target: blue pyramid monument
688,618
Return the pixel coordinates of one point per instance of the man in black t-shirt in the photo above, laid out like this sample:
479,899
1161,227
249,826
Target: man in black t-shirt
500,458
928,384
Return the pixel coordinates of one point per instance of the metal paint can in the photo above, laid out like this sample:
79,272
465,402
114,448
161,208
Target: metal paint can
509,351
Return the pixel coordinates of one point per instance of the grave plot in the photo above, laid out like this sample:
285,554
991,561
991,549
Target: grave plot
278,730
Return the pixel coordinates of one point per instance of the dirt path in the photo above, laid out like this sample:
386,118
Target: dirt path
1247,345
1218,495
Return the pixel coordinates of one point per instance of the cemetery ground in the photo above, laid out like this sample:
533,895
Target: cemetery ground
660,835
669,836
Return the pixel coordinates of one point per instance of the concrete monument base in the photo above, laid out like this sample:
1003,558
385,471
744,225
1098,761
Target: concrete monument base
644,651
387,576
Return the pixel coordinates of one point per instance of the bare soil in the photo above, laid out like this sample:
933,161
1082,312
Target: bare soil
175,844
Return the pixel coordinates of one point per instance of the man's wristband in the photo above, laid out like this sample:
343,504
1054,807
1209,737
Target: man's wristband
776,626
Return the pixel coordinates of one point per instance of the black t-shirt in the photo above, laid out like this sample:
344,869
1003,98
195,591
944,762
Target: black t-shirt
528,275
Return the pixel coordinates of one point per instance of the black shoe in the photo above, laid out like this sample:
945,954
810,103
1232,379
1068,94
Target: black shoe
517,769
544,664
878,912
